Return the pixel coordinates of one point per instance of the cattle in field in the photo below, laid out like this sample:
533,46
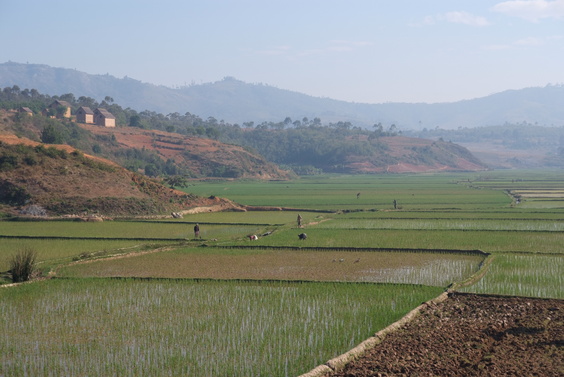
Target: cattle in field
302,236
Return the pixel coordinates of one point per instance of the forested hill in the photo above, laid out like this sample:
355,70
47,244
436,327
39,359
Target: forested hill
187,145
234,101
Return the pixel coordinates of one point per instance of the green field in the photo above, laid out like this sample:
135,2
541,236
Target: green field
108,327
433,269
138,297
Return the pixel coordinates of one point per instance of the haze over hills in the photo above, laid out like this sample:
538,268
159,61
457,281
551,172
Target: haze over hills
235,101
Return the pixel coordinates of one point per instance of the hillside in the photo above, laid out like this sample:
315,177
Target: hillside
64,181
413,155
202,157
508,146
235,101
152,152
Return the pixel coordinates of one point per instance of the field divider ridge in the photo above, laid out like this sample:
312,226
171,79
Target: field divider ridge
353,249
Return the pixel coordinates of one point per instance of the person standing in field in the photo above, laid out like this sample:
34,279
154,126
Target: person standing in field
299,221
196,231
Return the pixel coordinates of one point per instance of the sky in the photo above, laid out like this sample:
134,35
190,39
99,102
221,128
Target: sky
365,51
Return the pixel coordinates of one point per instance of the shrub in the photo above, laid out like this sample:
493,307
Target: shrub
22,265
12,194
8,161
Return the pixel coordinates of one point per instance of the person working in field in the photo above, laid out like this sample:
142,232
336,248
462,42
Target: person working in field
196,231
299,221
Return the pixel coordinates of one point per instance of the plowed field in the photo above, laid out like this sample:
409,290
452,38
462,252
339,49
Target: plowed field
472,335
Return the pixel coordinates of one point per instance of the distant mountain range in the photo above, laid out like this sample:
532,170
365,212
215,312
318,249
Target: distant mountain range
235,101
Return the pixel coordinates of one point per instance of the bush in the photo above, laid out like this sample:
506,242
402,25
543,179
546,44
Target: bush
22,265
12,195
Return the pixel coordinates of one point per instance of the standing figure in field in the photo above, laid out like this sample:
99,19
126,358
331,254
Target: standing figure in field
358,195
395,204
196,231
299,221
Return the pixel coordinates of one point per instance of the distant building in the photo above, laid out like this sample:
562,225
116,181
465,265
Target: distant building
60,109
103,117
25,110
84,115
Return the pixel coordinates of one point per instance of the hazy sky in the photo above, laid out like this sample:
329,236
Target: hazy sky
370,51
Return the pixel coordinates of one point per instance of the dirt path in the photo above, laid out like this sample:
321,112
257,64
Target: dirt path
472,335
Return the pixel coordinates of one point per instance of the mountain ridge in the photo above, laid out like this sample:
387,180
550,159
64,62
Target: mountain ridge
235,101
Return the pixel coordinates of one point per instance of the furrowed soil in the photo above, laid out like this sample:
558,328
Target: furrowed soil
472,335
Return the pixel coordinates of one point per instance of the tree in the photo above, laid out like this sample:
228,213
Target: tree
151,170
60,111
378,129
176,181
88,102
51,135
212,133
135,121
69,97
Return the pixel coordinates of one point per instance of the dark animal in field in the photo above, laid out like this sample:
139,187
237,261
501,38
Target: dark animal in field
302,236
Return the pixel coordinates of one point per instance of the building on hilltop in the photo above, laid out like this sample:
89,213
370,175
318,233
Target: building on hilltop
59,109
84,115
103,117
25,110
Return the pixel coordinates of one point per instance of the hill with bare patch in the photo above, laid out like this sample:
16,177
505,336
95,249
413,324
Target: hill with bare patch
39,179
202,157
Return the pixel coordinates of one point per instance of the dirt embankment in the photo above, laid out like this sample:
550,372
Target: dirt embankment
472,335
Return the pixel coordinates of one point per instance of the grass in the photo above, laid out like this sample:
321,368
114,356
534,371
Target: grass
171,327
523,275
340,192
447,224
140,230
408,268
487,241
54,252
249,217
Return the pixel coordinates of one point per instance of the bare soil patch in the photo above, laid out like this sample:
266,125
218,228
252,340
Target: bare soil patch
472,335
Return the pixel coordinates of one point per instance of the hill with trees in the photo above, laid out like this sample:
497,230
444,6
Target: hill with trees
187,145
521,145
236,102
149,145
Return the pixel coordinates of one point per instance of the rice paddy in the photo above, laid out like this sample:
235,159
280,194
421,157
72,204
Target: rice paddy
290,264
157,328
523,275
146,298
